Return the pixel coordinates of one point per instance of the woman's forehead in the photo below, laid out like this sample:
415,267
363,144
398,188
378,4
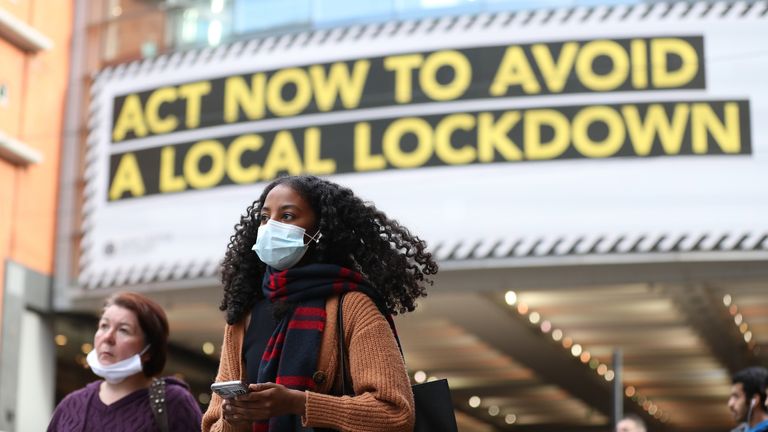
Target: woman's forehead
283,195
119,313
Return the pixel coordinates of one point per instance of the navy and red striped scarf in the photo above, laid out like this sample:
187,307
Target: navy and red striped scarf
290,357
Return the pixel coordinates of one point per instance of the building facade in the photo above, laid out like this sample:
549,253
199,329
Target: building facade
589,175
34,70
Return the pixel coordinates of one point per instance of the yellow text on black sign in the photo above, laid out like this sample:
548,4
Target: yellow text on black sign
586,66
538,134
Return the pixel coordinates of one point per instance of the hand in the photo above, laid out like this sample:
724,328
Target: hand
262,402
234,415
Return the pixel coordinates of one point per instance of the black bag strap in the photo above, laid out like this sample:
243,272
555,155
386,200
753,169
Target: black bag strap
157,402
346,380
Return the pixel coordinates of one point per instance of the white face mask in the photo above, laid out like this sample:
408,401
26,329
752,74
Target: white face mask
116,372
281,245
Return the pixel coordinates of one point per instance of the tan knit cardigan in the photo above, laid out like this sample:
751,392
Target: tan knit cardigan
383,401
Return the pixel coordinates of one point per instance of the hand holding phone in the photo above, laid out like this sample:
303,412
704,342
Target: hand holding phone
229,389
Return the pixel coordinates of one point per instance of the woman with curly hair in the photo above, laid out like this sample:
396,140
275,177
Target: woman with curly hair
302,246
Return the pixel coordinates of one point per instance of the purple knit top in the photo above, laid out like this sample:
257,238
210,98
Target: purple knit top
83,411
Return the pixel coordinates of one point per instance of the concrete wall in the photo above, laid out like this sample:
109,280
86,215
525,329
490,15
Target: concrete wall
27,352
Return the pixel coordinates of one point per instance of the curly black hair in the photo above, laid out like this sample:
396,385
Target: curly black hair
355,234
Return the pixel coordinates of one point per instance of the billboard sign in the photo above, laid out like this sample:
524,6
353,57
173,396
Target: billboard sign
637,122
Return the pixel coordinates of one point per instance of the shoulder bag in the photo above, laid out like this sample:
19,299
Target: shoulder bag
433,403
157,402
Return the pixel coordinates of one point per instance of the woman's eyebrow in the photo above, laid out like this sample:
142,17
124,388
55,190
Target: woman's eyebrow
118,323
125,324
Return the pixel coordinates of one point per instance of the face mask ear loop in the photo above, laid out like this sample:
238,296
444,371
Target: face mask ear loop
144,350
749,412
315,238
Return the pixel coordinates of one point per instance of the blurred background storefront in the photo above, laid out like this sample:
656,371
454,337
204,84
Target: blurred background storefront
589,174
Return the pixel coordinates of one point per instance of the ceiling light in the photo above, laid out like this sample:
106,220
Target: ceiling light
630,391
557,334
493,410
602,369
738,318
576,350
510,297
585,356
747,336
86,348
60,340
420,376
522,308
474,401
208,348
534,318
567,342
510,419
727,300
546,326
610,375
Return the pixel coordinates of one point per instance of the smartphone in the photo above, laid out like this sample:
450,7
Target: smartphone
229,389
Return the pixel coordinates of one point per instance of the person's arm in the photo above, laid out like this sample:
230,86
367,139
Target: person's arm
229,370
384,400
183,412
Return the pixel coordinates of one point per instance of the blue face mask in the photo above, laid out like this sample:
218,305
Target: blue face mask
281,245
